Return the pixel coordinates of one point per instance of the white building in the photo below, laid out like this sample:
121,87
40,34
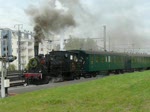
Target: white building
27,47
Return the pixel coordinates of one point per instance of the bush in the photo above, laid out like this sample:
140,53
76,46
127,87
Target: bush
12,67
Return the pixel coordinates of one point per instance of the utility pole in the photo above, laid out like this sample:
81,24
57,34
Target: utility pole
104,37
109,44
62,41
133,46
19,26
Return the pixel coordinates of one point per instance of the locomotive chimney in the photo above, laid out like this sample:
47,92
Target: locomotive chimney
36,48
37,39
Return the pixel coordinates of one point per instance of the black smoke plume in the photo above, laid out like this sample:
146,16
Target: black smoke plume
48,19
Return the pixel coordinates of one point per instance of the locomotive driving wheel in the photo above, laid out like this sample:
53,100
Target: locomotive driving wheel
59,78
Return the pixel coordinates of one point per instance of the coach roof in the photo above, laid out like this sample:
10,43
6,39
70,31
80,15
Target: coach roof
109,53
97,52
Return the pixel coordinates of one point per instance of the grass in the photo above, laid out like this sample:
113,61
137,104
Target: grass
122,93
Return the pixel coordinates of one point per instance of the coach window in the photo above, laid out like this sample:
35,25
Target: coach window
136,60
106,59
139,60
71,57
81,59
103,59
75,58
66,55
97,58
121,59
113,59
109,59
92,59
118,59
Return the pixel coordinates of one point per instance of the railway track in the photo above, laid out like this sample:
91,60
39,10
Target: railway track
31,88
15,78
16,86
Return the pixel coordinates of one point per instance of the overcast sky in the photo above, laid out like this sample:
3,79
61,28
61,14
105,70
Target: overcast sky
12,11
90,15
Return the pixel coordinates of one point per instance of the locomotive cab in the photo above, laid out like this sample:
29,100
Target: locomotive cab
62,65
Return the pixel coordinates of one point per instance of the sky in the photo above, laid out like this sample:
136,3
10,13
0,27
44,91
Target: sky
127,21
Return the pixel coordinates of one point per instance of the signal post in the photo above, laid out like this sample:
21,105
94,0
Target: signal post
6,57
5,82
3,75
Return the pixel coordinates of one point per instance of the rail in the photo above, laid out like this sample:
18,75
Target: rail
15,78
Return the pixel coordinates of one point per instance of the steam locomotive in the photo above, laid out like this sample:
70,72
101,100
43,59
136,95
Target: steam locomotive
55,66
68,65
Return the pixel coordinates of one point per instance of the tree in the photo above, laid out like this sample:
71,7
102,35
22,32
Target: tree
79,43
90,44
12,67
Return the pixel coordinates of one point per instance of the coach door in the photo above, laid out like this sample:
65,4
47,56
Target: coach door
128,63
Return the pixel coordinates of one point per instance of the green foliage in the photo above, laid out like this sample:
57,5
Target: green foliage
79,43
121,93
74,43
27,67
12,67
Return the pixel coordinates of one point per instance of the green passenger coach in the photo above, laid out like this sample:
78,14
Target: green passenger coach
110,62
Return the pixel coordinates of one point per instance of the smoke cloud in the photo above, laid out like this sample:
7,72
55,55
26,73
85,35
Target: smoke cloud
122,20
120,17
48,19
